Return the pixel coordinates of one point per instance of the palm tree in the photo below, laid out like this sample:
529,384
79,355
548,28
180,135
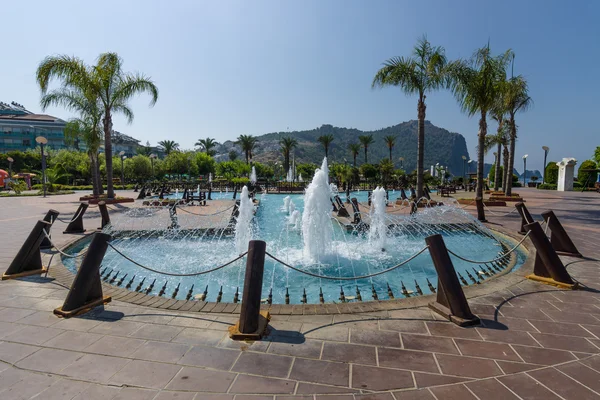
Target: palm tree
499,140
168,146
207,145
516,99
366,140
86,127
477,85
107,82
390,141
326,140
424,71
287,145
248,143
354,149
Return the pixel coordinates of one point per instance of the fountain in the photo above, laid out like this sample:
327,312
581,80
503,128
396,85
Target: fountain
253,176
290,175
296,219
243,230
378,227
300,178
210,177
317,228
291,207
286,204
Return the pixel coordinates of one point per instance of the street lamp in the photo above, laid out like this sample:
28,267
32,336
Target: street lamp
152,157
10,162
546,150
525,169
123,157
42,141
464,158
401,162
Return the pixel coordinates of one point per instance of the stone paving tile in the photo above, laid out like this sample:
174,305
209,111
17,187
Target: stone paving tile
261,397
311,388
428,343
63,389
406,326
49,360
27,388
14,314
502,323
307,349
98,392
453,392
13,352
424,380
116,328
263,364
380,338
191,322
582,374
497,351
40,318
161,351
508,336
467,366
202,356
407,359
561,328
542,356
135,394
95,368
261,345
490,389
201,380
513,367
338,333
8,328
325,372
592,362
167,395
349,353
146,374
115,346
157,332
562,384
572,343
451,330
72,340
419,394
33,334
76,324
375,378
527,388
374,396
199,336
259,384
525,312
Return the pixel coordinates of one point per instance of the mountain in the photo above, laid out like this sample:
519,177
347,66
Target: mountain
441,146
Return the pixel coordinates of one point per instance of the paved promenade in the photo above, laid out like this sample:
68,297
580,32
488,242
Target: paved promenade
536,342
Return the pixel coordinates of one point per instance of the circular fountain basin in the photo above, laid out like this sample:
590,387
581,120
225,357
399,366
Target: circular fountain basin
352,253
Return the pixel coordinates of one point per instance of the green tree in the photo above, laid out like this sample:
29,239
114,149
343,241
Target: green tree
287,144
144,150
307,170
141,167
584,177
326,140
476,85
551,173
207,146
247,143
206,164
168,146
107,83
423,72
366,141
369,171
354,149
263,170
233,155
233,169
386,171
390,141
597,155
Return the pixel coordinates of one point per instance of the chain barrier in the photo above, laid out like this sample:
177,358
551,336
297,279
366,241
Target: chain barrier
72,219
174,274
82,253
498,214
347,278
205,215
495,259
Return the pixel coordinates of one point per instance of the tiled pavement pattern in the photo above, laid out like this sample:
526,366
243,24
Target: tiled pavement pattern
535,341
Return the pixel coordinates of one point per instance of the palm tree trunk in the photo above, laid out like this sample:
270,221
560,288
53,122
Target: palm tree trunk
390,153
511,159
505,155
110,191
366,147
286,162
326,152
94,173
421,108
480,147
354,161
497,176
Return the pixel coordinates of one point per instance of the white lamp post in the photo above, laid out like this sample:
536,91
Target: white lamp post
525,169
546,150
43,141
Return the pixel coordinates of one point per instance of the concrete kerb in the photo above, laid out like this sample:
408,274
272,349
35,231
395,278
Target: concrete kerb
500,281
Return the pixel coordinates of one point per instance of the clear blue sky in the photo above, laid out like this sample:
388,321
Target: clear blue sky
226,68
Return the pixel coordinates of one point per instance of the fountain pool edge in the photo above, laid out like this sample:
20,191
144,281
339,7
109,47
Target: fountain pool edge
500,281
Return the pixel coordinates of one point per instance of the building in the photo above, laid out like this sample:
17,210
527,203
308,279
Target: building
19,127
123,143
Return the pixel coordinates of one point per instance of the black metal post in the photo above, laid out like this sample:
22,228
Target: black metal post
28,260
49,217
76,225
544,171
526,217
104,213
559,238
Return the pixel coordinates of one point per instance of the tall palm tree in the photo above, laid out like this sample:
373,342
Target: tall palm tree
326,140
86,127
354,149
107,82
366,141
169,146
248,143
390,141
207,145
499,141
476,85
516,99
423,72
287,144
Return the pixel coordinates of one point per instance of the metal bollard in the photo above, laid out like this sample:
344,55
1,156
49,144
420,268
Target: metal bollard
526,217
451,302
104,213
28,260
559,238
86,290
548,268
253,322
49,217
76,225
142,194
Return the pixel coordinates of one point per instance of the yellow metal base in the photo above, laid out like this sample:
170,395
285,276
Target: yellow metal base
43,270
552,282
263,320
83,309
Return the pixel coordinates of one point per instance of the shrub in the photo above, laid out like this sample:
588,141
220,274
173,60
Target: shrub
551,173
17,186
547,186
587,177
